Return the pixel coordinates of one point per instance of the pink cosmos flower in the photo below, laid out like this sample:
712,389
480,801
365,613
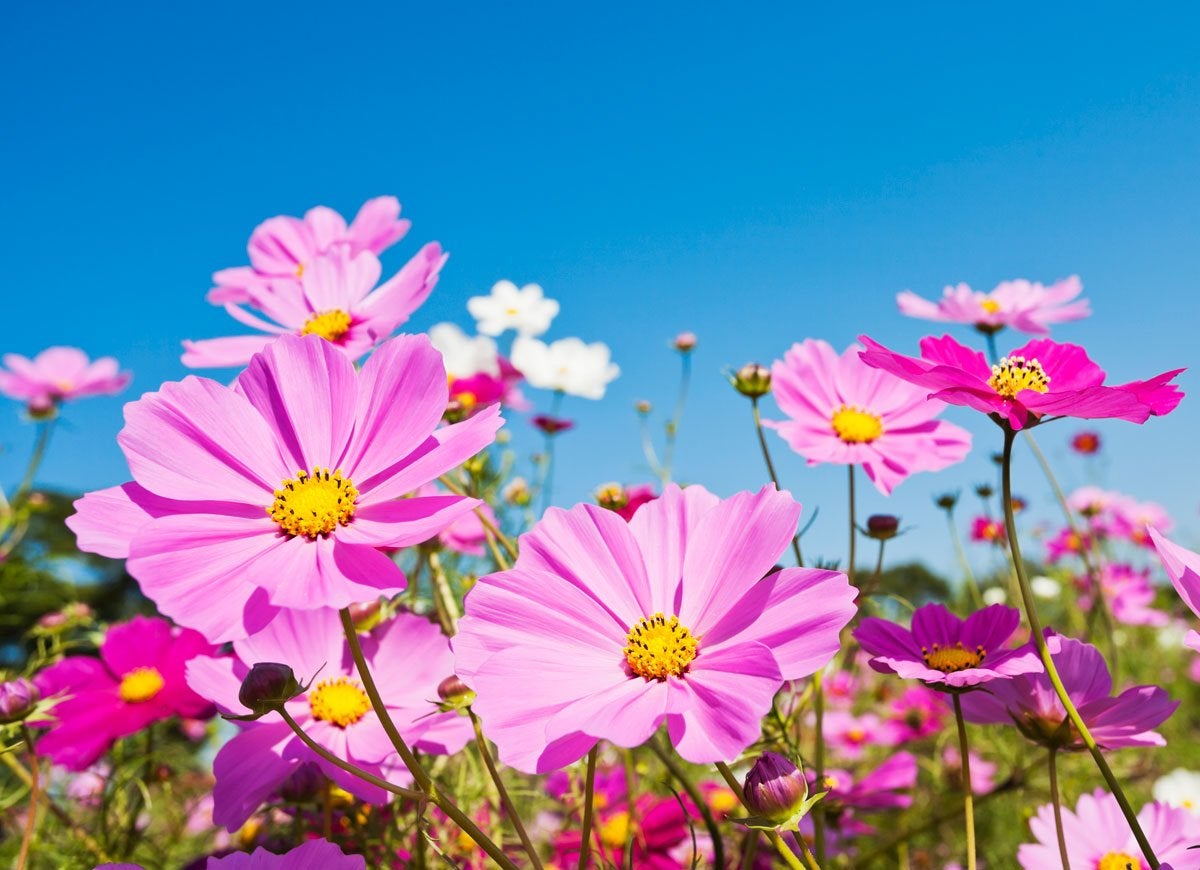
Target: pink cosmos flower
282,490
636,495
137,680
1132,520
281,248
1086,443
336,299
1024,305
849,735
1030,702
466,534
313,855
408,656
986,530
1128,593
918,713
1068,543
1097,835
848,413
622,626
1183,567
942,650
1041,378
882,788
983,773
59,374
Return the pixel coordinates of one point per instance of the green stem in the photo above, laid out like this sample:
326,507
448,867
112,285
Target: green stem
353,769
488,525
685,376
34,791
818,811
589,788
509,809
443,596
762,442
45,428
853,530
968,797
710,823
1039,640
777,841
1057,803
968,574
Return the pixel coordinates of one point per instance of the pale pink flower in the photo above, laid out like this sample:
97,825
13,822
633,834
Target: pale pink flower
1023,305
59,374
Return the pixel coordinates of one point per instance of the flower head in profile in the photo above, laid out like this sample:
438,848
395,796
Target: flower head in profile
313,855
1183,567
568,365
59,374
1039,379
336,299
478,374
843,411
1030,702
948,653
1086,442
282,490
1023,305
919,712
988,530
408,656
1128,593
526,310
137,680
621,626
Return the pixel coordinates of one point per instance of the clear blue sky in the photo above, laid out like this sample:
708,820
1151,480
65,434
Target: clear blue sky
757,176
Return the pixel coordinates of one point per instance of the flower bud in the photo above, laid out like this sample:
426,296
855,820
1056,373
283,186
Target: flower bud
455,694
1086,443
984,490
685,342
516,492
775,788
752,380
612,496
552,425
882,527
305,784
17,699
267,687
642,406
947,500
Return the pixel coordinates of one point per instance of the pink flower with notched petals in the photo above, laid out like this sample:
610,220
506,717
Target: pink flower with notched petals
282,491
919,712
1041,378
1128,594
882,788
59,374
1132,520
845,412
1024,305
337,299
137,680
604,629
848,735
408,656
987,530
313,855
1183,567
1068,542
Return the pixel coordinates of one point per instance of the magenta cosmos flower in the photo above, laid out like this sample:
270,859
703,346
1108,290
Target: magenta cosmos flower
1183,567
1041,378
1024,305
138,680
282,490
313,855
845,412
1030,702
948,653
336,299
59,374
282,248
408,657
604,629
1098,836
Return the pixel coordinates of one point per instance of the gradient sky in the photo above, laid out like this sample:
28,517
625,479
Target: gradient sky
757,177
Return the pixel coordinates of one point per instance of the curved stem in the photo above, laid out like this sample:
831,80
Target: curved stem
968,797
853,529
777,841
443,596
685,376
34,791
968,574
710,823
1057,804
509,809
762,442
1039,640
818,811
45,429
484,519
589,788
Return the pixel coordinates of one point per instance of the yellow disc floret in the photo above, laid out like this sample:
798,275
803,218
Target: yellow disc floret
140,685
330,325
340,701
1119,861
315,504
949,659
614,831
856,426
1015,373
658,647
991,306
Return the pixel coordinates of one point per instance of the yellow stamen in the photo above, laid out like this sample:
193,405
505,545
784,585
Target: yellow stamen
1015,373
856,426
511,312
949,659
1119,861
313,505
140,685
330,325
991,306
467,400
340,700
657,647
615,830
723,801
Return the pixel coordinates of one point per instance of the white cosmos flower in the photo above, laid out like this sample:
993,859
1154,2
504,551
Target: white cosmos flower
526,309
462,354
1045,587
568,365
1179,788
994,595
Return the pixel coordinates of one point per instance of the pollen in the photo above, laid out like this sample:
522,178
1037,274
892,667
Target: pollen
313,504
340,701
949,659
658,647
1015,373
855,425
330,325
615,830
1119,861
140,685
991,306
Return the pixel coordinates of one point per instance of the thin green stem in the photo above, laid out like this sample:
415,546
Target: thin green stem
509,809
968,574
762,442
45,429
34,791
777,841
968,796
714,833
444,601
685,376
818,811
1039,640
589,789
1056,802
484,519
853,529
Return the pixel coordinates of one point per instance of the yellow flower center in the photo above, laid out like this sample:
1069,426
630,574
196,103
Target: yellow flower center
340,700
1015,373
724,801
949,659
1119,861
467,400
330,325
991,306
829,783
140,685
315,504
856,735
511,312
856,426
657,647
615,830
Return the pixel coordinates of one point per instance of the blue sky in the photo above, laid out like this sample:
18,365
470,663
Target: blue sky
757,177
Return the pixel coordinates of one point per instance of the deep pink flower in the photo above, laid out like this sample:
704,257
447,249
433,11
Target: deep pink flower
313,855
942,650
282,490
986,530
1068,543
1128,594
1023,305
1183,567
661,834
1030,702
336,299
408,656
848,413
1041,378
551,425
1097,835
137,680
636,495
1132,520
59,374
1086,443
919,712
884,787
622,626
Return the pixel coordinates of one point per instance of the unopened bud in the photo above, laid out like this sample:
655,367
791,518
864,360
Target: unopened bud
881,527
455,694
267,687
642,407
775,788
984,490
516,492
18,698
1086,443
685,342
752,380
306,784
612,496
552,425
